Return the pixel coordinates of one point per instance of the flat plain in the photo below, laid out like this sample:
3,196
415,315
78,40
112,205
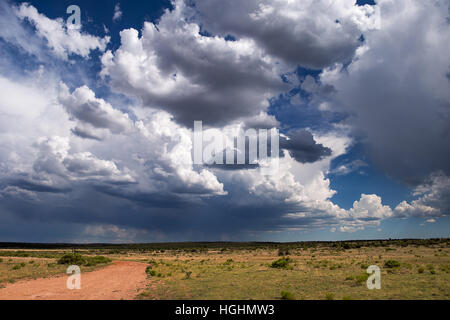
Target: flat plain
410,269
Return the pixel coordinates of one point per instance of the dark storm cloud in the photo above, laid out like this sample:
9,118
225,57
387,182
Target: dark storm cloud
397,93
215,219
299,143
146,199
85,134
302,147
36,186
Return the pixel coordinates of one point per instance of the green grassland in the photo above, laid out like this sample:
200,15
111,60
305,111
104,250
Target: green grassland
314,273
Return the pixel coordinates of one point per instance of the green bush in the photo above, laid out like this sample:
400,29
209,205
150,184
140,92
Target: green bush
153,262
361,278
286,295
420,270
93,261
72,258
1,260
282,263
445,268
18,266
79,260
329,296
391,264
149,271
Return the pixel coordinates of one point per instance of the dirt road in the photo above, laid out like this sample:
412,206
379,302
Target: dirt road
121,280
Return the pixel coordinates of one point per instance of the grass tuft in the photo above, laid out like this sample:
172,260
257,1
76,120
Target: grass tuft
286,295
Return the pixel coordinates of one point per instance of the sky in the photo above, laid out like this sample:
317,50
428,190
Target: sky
96,119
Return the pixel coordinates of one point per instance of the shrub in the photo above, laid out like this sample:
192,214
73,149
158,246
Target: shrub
93,261
149,271
282,263
18,266
420,270
283,252
445,268
31,262
391,264
79,260
188,275
72,258
286,295
361,278
1,260
153,262
329,296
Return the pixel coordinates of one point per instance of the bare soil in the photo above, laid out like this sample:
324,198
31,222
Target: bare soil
121,280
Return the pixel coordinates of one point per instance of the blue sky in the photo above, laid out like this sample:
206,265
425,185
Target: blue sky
97,122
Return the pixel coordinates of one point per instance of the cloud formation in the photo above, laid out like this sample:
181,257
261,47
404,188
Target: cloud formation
93,116
112,159
117,12
61,40
302,147
433,201
396,93
313,34
174,67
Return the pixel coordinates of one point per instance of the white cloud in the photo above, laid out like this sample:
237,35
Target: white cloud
39,151
313,34
117,12
349,167
192,76
369,207
433,201
92,115
61,40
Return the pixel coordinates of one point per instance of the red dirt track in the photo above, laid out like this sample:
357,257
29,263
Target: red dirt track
121,280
